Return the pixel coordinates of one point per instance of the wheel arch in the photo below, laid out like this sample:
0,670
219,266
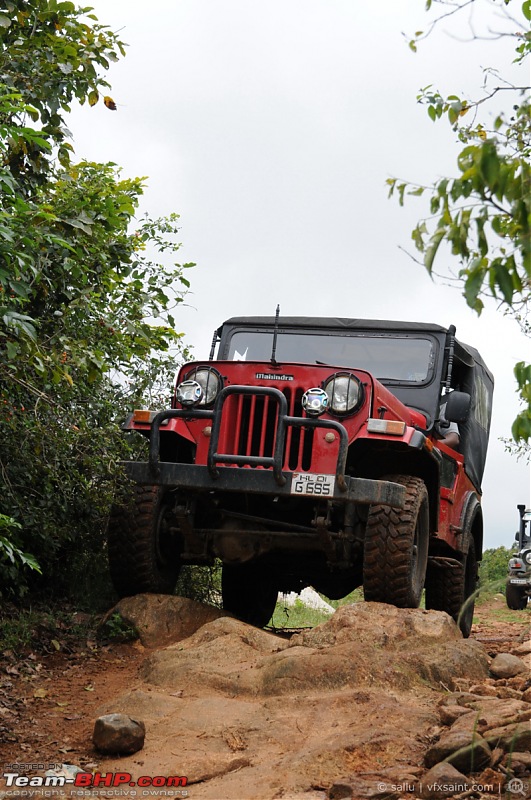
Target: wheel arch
398,458
472,524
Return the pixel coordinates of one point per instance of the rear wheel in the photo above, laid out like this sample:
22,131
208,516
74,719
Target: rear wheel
515,597
248,592
396,547
452,589
143,543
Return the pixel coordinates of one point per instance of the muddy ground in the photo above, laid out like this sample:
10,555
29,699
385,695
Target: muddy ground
349,709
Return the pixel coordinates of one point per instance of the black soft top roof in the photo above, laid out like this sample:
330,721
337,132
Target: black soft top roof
464,352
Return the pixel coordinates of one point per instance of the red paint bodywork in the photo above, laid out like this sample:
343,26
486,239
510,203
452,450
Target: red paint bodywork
321,456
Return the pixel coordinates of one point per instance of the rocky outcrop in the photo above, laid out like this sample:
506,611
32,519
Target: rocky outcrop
162,619
362,644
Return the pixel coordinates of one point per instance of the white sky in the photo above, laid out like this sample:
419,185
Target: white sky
271,128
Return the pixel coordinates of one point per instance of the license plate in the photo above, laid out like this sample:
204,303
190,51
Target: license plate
519,581
312,483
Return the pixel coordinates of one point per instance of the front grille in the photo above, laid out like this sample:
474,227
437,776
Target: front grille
249,429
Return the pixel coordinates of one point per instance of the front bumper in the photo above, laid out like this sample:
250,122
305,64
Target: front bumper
258,481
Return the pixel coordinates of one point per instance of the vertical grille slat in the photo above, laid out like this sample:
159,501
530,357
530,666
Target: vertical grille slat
251,426
261,448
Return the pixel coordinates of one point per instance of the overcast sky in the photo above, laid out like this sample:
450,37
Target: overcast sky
271,128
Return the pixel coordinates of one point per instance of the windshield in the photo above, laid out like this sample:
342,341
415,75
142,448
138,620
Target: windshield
391,357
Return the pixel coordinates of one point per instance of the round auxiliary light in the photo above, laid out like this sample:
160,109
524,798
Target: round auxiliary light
315,402
210,382
345,393
526,556
189,393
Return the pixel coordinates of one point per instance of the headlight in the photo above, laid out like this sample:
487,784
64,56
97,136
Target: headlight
526,556
210,382
345,393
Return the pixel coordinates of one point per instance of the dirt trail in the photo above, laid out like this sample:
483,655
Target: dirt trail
244,714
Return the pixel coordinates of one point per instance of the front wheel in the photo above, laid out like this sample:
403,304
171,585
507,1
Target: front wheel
515,597
249,593
143,543
396,547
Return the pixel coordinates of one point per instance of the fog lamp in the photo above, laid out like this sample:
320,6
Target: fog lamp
315,402
189,393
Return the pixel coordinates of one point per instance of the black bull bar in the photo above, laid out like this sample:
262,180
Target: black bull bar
273,480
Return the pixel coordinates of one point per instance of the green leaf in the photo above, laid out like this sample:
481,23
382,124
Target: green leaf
433,246
489,166
5,22
526,9
504,280
473,284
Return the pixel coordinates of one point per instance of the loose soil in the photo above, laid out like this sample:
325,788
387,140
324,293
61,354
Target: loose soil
48,705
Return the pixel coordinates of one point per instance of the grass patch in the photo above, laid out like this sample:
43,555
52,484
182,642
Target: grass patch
300,616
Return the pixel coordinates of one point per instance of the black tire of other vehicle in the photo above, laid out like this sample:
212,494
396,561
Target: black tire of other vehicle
249,593
396,547
515,597
452,589
143,551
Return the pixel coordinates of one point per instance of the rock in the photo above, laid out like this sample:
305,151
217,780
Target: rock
118,734
510,737
517,761
360,645
526,696
443,780
340,791
507,666
163,619
466,752
484,690
490,777
506,693
449,714
491,712
523,649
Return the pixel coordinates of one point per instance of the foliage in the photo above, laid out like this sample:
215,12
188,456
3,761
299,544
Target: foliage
201,583
51,54
12,558
86,303
484,212
493,567
116,628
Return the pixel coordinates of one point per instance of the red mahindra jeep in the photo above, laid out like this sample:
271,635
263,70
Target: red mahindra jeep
311,452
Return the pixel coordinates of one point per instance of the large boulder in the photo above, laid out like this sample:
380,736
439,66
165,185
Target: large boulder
161,619
362,644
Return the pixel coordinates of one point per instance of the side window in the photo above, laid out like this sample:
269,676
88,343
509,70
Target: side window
481,403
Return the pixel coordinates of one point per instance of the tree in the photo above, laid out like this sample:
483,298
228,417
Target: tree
86,304
483,212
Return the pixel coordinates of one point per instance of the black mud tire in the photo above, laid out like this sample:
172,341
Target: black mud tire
515,597
249,593
143,551
396,547
453,589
